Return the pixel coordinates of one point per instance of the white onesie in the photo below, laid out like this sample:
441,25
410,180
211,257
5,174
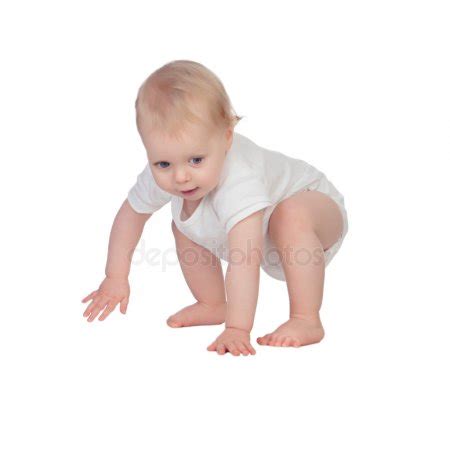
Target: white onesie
252,178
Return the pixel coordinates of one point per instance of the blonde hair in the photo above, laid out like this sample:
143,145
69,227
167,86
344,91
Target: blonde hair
180,93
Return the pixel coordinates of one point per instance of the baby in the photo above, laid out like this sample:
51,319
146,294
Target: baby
230,199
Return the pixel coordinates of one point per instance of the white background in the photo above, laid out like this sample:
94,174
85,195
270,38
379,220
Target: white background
360,90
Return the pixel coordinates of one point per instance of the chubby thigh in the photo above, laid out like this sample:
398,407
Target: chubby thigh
309,211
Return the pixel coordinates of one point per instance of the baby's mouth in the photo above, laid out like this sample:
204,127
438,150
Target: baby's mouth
190,191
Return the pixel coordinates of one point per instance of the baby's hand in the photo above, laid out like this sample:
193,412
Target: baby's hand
108,295
233,340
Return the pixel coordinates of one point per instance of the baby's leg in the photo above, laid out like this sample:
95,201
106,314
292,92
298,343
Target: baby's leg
203,273
301,227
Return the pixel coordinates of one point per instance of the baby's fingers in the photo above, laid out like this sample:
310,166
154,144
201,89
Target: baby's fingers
221,349
89,297
250,348
231,347
108,310
212,347
124,305
96,301
242,348
95,311
94,308
88,310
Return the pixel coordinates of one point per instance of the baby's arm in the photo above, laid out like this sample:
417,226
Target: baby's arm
125,234
245,241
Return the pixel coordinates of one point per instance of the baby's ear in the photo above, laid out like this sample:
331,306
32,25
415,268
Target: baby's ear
229,134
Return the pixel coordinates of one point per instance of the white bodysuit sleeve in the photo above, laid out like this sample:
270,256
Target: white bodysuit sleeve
239,198
146,196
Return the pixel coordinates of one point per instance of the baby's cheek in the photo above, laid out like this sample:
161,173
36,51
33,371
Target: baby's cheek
211,176
162,182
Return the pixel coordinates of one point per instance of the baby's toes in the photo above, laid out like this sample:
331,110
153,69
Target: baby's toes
296,342
263,340
286,341
273,339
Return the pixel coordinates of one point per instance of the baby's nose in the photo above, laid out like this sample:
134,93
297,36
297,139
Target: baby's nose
182,175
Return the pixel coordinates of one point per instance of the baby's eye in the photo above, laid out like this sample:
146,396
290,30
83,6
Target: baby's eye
197,160
162,164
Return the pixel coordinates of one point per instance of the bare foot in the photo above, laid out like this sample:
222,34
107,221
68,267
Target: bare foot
198,314
295,332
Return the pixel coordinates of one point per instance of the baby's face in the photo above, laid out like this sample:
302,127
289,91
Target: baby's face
191,164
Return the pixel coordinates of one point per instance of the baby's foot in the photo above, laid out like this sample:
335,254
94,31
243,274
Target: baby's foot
198,314
295,332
